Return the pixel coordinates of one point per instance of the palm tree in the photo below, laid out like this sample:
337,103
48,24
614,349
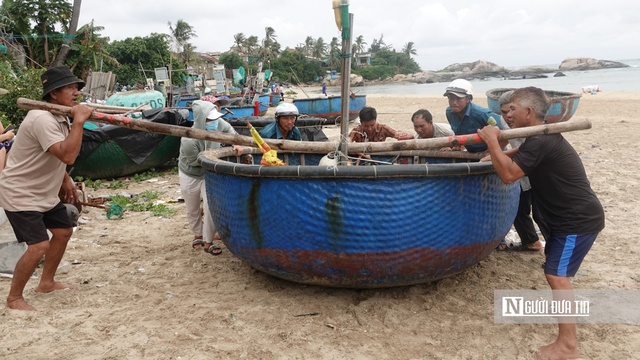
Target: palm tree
308,45
334,52
319,49
359,44
408,49
181,35
269,33
239,40
269,44
357,47
251,44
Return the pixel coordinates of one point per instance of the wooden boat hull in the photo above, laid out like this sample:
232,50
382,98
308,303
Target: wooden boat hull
563,104
330,107
360,226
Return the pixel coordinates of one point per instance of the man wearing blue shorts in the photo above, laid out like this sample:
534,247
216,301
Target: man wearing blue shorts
572,212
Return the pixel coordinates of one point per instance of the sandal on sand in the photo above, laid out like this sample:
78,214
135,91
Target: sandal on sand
213,249
198,243
515,247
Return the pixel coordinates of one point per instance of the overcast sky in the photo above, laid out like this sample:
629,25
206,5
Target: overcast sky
508,33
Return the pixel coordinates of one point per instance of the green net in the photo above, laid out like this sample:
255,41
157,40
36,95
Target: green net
115,211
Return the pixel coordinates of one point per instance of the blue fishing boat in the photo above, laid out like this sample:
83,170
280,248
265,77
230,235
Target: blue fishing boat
563,104
135,98
241,111
265,100
359,226
330,107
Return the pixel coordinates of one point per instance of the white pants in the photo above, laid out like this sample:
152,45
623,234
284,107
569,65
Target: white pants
193,190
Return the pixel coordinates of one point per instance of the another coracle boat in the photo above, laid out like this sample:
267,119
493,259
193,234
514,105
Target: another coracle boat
110,151
330,107
563,104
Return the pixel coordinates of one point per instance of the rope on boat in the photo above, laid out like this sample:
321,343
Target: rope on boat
355,159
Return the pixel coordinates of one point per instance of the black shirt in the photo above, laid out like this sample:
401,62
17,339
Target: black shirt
560,184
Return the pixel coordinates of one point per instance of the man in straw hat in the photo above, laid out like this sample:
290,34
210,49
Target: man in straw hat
572,212
35,181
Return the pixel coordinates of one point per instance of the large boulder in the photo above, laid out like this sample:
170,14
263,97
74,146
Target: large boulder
356,80
475,68
589,64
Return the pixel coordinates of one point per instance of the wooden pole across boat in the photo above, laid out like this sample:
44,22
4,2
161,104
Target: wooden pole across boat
307,146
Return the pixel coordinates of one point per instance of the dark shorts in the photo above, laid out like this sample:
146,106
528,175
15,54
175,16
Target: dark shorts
565,253
31,226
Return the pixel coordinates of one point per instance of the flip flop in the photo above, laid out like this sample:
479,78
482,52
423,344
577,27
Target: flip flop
213,249
197,243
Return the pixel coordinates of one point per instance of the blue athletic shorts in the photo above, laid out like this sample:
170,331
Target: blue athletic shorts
565,253
31,226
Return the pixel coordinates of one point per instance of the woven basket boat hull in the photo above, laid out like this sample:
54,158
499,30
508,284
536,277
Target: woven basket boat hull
358,231
563,104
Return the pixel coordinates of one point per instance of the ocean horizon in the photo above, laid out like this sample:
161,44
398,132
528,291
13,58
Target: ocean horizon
619,79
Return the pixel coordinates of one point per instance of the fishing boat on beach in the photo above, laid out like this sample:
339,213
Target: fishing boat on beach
110,151
330,107
563,104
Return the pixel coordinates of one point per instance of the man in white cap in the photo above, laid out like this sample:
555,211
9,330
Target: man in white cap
466,117
35,176
285,125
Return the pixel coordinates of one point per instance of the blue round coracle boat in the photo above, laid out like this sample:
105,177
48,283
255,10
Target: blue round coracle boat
359,226
562,104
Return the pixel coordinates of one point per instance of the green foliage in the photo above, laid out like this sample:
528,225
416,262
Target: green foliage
375,72
143,202
20,83
400,63
94,184
293,66
34,24
150,52
149,174
231,60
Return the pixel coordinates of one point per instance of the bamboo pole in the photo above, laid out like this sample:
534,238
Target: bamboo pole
307,146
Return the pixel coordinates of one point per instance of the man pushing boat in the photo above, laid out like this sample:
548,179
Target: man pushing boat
34,177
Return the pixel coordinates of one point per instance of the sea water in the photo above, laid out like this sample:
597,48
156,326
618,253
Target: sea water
620,79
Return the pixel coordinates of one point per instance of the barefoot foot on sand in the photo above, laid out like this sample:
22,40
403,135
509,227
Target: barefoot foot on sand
556,351
46,288
19,304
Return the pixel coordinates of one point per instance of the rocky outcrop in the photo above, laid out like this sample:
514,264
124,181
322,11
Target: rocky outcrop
589,64
480,67
356,80
483,69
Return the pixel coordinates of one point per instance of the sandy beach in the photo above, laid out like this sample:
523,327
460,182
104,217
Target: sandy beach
141,292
